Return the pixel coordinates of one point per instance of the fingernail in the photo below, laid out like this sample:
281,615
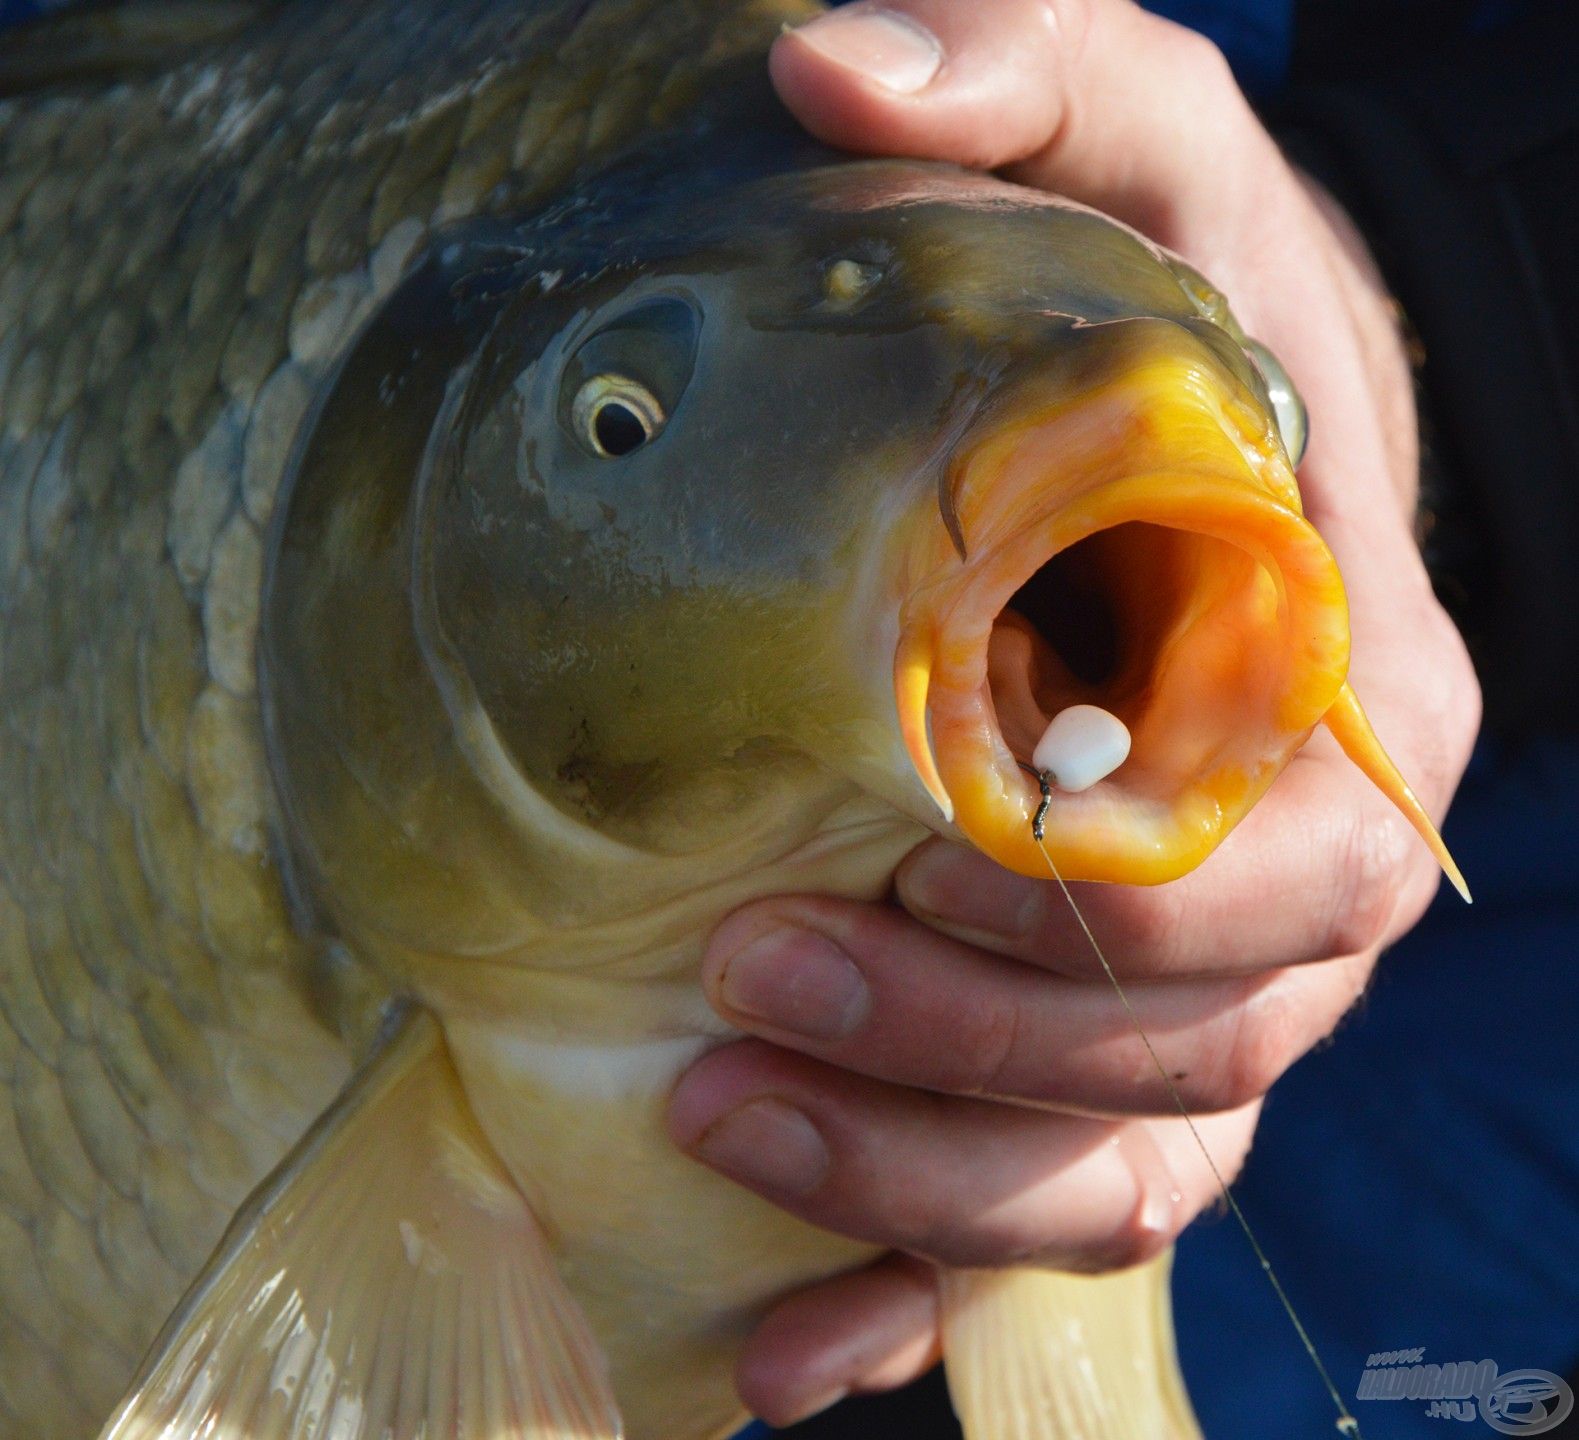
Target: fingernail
798,981
967,891
889,48
767,1144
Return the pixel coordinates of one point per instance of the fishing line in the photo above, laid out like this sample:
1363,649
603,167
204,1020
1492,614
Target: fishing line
1346,1422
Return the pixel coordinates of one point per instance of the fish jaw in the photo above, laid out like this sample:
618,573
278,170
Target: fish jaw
1159,497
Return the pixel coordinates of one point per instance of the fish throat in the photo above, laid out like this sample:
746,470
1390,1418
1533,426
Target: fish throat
1129,619
1138,546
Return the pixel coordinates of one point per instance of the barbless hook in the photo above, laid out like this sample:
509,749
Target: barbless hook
1039,819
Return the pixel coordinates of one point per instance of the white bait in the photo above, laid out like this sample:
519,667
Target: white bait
1080,746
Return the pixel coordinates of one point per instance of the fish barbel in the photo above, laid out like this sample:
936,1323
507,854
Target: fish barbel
480,498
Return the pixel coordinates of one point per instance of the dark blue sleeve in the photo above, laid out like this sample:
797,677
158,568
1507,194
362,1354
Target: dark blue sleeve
13,10
1416,1182
1257,36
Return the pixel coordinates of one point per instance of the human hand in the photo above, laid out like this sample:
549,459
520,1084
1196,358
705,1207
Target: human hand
955,1079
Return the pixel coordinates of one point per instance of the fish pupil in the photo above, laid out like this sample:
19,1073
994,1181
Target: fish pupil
618,429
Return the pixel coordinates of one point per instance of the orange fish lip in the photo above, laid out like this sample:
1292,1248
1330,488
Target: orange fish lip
1233,625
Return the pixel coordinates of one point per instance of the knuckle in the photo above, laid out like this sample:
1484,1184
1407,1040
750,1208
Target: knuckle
1446,706
916,1213
1267,1038
1415,897
1372,873
1459,707
1152,1225
1467,707
986,1053
937,1223
961,1250
1148,929
1069,22
1200,62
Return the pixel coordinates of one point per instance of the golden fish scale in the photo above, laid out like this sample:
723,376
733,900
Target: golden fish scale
182,259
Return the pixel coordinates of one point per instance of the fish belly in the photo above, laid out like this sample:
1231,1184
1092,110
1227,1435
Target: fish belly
671,1263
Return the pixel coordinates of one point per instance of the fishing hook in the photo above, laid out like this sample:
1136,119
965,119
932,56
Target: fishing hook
1039,819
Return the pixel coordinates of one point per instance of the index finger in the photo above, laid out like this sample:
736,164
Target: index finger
1331,867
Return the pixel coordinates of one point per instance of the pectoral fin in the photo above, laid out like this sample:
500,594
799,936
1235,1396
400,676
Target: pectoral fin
388,1281
1037,1355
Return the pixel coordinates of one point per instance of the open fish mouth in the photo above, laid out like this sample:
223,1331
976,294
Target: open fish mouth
1137,545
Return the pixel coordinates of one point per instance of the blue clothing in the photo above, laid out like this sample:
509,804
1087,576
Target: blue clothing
14,10
1257,36
1416,1182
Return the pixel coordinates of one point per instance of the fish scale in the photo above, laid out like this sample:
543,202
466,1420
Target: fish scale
182,259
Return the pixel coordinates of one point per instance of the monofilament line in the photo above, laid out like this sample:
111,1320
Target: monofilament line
1346,1421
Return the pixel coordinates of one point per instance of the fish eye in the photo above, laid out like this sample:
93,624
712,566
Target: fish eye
602,405
1293,424
613,415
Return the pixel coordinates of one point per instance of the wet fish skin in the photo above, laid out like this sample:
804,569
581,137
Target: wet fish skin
181,258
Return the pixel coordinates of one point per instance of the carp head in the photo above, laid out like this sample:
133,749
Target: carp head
695,513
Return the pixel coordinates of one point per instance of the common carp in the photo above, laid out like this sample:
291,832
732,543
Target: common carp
480,498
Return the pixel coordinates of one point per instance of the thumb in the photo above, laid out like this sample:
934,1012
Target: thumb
1096,99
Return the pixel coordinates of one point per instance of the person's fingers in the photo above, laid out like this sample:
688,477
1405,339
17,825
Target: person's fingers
1100,100
976,84
1375,319
962,1182
869,1330
1096,99
1334,868
870,989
